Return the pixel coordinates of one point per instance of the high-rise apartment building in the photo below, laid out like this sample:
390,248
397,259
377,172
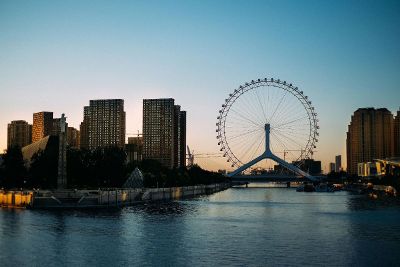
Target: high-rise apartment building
42,125
369,136
182,138
164,132
84,129
103,124
396,135
73,137
179,137
338,163
331,167
19,133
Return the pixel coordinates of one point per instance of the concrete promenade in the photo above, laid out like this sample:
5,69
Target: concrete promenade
101,198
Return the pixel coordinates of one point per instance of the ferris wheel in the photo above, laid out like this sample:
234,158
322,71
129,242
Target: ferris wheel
267,119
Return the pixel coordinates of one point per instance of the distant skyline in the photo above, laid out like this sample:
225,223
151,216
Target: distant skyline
57,55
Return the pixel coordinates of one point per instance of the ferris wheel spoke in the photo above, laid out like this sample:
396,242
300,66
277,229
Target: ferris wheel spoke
236,121
240,149
284,135
244,134
244,111
257,149
249,148
294,108
291,121
301,136
283,106
299,130
267,106
243,107
240,144
282,142
261,105
252,107
282,112
236,129
285,148
277,106
304,134
245,118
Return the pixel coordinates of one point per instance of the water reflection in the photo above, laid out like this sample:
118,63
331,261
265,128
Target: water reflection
363,202
174,208
255,227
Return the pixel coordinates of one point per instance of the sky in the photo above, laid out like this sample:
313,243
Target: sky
57,55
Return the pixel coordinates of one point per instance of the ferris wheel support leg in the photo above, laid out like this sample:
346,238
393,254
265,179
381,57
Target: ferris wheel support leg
247,165
269,155
291,167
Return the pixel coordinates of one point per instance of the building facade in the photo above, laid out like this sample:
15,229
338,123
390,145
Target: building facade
73,137
369,137
164,132
42,125
179,137
310,166
134,149
84,130
338,163
19,133
396,135
103,124
182,138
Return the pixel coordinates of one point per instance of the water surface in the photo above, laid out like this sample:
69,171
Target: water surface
236,227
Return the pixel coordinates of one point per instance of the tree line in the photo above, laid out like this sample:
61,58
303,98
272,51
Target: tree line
99,168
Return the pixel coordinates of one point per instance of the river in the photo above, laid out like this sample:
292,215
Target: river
236,227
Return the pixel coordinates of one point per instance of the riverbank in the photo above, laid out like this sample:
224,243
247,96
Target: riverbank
373,191
102,198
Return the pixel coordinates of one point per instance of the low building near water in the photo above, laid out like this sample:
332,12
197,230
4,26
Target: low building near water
379,168
16,199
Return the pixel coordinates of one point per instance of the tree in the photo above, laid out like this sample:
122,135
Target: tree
109,166
14,171
44,169
102,167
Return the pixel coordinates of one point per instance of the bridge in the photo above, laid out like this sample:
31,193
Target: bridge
264,178
272,178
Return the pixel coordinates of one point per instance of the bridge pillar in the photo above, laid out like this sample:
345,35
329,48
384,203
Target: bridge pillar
288,184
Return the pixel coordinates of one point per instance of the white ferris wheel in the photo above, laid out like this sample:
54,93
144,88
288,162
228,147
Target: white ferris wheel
267,120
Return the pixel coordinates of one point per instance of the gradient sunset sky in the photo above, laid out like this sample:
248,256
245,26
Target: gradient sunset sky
57,55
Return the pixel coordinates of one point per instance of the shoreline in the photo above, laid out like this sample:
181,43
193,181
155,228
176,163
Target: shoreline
101,198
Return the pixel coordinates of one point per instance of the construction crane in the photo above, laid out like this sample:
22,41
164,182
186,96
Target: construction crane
190,157
137,134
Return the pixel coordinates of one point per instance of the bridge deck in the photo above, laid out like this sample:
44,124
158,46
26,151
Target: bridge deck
268,178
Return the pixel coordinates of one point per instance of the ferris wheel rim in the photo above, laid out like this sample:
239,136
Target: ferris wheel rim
266,82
